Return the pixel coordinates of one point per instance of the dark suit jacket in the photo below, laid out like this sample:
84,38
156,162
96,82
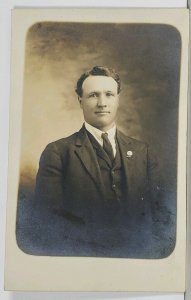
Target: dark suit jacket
69,186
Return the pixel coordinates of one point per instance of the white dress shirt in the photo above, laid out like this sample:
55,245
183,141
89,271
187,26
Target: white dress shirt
97,135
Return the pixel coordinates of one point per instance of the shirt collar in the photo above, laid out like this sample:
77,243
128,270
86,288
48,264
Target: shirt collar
112,132
97,133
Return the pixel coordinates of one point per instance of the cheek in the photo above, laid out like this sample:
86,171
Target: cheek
115,106
87,108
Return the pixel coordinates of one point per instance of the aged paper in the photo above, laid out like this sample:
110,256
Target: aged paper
39,73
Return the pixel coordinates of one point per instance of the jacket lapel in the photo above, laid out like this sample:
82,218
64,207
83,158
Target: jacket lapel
86,154
129,158
99,150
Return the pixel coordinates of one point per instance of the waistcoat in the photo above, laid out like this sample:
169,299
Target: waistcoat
113,177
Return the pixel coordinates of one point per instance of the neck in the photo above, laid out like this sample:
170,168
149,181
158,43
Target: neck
105,128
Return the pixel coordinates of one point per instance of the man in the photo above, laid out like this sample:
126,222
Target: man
97,183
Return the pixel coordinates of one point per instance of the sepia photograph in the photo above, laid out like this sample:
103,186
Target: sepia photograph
100,112
97,161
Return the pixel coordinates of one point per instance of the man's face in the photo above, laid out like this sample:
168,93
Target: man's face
99,101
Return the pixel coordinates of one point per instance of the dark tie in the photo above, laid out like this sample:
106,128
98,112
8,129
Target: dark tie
107,146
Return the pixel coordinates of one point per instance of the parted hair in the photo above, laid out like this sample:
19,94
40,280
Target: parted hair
97,71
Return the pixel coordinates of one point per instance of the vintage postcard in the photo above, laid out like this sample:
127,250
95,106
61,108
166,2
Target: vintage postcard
97,155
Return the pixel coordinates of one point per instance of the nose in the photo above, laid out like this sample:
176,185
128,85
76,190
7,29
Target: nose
101,101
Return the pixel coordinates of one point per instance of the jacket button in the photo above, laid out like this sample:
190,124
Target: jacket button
113,186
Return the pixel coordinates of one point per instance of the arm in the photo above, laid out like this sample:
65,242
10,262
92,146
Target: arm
154,182
49,180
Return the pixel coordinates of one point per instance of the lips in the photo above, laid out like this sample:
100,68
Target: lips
102,112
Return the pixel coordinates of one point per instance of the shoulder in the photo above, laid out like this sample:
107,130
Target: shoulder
64,141
131,141
56,149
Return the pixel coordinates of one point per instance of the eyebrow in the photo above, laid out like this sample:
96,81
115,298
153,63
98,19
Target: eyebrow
98,92
93,92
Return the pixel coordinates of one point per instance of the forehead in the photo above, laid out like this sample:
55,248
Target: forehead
99,83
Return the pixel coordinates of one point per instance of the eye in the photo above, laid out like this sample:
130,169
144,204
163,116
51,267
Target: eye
92,95
109,94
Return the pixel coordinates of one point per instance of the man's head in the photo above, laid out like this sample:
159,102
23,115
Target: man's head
98,93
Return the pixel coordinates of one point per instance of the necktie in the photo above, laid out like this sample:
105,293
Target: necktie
107,146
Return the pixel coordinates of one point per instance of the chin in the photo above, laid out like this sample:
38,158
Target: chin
104,126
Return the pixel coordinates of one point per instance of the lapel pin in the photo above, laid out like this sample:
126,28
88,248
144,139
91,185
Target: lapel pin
129,154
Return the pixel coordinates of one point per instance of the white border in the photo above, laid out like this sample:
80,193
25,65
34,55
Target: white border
163,274
5,7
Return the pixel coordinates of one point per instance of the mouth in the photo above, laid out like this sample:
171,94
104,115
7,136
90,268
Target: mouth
102,112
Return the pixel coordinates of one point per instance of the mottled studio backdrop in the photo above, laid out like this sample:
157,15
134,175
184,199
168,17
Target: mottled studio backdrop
147,58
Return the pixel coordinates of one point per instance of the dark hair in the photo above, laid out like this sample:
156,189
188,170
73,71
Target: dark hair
98,71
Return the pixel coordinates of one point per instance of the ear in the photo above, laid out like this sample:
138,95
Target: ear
118,100
80,101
